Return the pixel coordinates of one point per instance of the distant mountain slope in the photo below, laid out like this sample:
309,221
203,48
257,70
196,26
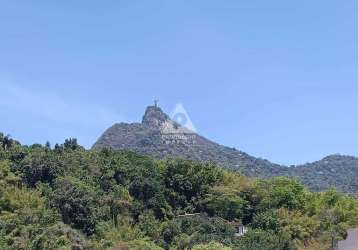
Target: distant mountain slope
333,171
161,137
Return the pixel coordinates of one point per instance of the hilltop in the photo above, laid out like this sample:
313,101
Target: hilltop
151,137
161,137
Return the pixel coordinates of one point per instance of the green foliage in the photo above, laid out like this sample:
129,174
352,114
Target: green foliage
143,244
71,144
299,226
23,214
72,198
6,176
75,201
211,246
262,240
187,181
6,142
125,231
60,236
39,166
188,231
3,243
227,206
149,225
266,221
284,192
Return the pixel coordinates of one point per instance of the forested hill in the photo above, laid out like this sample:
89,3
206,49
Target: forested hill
151,137
338,171
66,197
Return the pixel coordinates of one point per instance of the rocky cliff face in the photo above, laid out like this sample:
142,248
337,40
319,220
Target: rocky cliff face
154,118
158,136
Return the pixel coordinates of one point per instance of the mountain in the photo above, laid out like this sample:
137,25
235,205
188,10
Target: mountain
159,136
338,171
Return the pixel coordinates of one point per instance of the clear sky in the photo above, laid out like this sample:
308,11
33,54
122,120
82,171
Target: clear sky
276,79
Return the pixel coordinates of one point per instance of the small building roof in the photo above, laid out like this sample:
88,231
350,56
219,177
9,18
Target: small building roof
351,243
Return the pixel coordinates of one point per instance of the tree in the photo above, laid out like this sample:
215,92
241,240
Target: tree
39,166
6,176
118,201
149,225
23,213
262,240
228,206
76,203
60,236
285,192
192,230
71,144
332,224
7,142
266,221
301,228
188,181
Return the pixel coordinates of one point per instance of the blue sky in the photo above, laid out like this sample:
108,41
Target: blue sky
276,79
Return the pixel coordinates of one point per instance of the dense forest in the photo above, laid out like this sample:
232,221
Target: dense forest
66,197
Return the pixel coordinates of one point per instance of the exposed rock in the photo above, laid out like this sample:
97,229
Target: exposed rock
154,118
161,137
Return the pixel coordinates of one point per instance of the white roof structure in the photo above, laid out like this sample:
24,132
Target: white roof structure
351,243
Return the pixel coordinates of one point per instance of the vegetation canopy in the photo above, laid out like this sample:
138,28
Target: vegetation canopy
67,197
